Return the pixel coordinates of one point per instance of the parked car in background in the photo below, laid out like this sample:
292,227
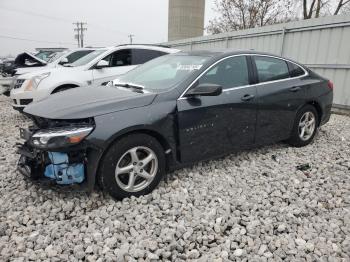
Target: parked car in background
5,62
58,59
45,53
5,79
170,112
29,60
96,68
25,60
27,63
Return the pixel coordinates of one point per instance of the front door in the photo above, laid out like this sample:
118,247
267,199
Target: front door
210,126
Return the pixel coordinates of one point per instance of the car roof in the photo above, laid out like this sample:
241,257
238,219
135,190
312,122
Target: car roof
223,52
110,49
144,46
84,48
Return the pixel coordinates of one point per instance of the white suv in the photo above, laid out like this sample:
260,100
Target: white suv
96,68
35,64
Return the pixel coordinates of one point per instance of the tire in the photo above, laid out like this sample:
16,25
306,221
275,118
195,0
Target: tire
297,138
122,153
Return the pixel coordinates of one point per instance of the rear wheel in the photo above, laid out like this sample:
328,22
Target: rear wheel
305,127
132,166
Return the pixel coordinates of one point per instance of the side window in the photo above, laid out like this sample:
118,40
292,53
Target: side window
295,70
141,56
270,69
77,55
119,58
231,72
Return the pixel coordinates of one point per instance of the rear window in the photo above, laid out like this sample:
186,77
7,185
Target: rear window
295,70
271,69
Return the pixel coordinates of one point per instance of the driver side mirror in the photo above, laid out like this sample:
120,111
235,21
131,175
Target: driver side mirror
63,60
101,64
205,90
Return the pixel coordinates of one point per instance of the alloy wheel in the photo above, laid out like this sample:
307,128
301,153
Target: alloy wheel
307,125
136,169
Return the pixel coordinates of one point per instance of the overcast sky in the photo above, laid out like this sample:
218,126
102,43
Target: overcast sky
109,22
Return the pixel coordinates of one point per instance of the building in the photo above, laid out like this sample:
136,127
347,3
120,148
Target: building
186,19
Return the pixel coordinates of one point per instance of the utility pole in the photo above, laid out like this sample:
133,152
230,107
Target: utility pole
77,35
131,36
80,33
82,29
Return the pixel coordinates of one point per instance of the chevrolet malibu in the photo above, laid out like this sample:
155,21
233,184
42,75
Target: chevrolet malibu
170,112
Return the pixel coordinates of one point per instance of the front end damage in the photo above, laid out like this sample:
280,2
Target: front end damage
58,152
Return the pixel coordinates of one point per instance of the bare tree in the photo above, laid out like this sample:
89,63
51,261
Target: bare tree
340,5
242,14
317,8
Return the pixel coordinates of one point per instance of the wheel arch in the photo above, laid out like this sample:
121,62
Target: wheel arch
168,150
318,108
57,88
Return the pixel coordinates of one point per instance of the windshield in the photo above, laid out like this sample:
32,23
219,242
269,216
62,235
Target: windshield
164,72
45,55
56,56
88,58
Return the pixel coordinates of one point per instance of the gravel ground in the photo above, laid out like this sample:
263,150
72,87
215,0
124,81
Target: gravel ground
253,205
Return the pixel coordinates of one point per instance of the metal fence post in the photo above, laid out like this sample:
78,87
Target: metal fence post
227,42
284,31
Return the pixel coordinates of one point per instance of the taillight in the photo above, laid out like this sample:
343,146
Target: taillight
330,85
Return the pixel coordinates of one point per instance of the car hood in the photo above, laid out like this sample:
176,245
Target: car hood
26,70
50,69
26,55
84,102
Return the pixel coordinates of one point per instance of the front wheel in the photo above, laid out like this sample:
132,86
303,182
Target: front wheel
132,166
305,127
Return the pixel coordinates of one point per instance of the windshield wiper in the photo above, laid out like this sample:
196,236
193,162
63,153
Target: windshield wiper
130,85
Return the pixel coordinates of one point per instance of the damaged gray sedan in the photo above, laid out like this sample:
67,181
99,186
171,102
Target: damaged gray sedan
172,111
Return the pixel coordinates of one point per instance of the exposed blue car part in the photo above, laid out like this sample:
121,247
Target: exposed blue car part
63,172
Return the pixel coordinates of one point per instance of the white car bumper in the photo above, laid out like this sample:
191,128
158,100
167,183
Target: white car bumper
21,98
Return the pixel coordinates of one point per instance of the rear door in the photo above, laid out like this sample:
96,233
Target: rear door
213,125
280,93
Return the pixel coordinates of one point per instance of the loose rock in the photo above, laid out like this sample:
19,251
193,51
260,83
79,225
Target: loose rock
246,206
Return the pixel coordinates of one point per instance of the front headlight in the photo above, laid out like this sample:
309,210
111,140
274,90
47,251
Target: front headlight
60,137
35,81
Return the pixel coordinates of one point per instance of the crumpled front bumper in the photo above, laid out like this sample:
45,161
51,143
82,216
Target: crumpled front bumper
24,165
32,163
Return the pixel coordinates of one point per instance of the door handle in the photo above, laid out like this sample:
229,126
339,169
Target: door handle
247,97
295,89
